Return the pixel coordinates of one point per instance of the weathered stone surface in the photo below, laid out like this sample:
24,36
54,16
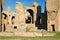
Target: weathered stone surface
52,5
26,34
2,2
0,16
53,11
31,28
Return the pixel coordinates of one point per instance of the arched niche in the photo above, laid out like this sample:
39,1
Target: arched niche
30,18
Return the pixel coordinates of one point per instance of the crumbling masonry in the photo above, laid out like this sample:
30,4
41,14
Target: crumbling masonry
25,18
22,20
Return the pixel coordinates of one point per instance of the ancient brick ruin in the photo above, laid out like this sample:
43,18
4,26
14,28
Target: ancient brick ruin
30,18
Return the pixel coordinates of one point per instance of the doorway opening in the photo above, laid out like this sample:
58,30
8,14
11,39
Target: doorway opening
53,27
4,28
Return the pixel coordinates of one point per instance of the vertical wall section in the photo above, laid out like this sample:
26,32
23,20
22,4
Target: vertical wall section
0,16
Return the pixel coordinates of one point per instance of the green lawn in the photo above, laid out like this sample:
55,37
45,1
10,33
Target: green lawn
56,37
29,38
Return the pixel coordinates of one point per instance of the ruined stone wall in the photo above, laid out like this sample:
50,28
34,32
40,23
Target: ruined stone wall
59,17
52,14
0,15
15,21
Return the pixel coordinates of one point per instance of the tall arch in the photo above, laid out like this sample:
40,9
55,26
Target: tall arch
4,16
31,19
13,17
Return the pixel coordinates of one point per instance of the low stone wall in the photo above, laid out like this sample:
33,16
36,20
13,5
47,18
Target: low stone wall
26,34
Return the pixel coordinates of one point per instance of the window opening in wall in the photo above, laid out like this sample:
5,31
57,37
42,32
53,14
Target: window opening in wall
15,27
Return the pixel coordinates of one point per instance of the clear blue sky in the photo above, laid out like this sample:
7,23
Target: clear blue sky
12,3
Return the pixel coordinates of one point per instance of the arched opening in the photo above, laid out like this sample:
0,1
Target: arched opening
13,17
4,15
30,18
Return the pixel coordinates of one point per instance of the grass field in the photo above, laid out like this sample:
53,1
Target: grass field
29,38
56,37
